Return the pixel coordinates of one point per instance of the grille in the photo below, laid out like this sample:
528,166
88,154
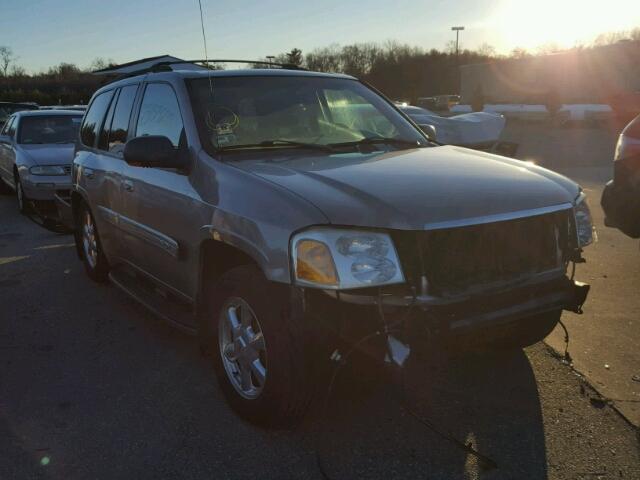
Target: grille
460,259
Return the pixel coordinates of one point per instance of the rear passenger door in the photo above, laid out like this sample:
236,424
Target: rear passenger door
159,207
103,135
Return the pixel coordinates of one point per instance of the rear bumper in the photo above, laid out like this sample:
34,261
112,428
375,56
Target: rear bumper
621,206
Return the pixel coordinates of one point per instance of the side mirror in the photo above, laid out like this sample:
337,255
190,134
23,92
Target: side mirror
6,139
429,131
153,151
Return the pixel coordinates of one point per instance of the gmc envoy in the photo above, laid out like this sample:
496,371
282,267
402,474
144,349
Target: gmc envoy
276,211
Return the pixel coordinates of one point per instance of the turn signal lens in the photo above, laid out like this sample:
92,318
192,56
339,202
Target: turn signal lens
314,263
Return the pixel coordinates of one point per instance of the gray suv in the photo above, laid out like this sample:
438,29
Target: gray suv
281,215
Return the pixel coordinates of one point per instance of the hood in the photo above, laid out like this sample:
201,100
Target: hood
53,154
415,189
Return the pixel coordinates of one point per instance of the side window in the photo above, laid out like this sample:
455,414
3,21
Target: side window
160,113
94,117
103,137
117,135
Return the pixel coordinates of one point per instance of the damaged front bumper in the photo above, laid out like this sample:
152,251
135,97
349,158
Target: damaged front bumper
481,318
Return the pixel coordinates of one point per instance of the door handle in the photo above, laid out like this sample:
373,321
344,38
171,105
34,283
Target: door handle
89,173
127,185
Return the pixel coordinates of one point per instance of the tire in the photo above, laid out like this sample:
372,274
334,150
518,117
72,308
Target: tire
23,201
276,392
89,245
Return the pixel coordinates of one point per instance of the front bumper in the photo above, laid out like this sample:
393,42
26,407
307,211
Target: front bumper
621,207
485,317
44,188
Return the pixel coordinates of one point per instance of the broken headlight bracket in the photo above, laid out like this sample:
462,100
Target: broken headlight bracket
579,292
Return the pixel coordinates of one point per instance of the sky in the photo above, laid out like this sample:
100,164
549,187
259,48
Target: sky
43,33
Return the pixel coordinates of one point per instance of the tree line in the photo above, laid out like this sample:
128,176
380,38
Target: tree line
401,71
65,83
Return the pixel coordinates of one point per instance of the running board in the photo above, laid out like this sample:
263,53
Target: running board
175,314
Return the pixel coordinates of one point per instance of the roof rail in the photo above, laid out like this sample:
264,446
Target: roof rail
165,66
204,63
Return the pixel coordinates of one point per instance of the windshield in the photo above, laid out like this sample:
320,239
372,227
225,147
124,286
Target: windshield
296,111
49,129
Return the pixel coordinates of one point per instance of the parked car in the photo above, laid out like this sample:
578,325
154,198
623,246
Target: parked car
9,108
621,196
36,152
479,130
272,215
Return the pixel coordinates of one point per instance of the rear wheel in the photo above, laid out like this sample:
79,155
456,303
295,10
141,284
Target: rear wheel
88,239
257,346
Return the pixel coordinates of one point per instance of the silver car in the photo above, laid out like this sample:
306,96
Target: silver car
282,215
36,153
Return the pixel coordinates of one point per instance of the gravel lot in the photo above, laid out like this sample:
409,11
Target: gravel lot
92,386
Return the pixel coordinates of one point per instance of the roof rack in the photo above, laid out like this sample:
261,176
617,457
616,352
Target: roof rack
204,63
165,66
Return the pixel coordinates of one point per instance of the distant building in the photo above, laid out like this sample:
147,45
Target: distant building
594,75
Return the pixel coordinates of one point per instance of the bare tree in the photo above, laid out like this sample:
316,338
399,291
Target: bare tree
327,59
18,71
6,59
486,50
519,52
100,63
548,49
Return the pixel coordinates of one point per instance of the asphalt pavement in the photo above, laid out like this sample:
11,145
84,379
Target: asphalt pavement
604,340
93,386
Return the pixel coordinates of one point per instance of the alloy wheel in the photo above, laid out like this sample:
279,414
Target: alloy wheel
242,348
89,240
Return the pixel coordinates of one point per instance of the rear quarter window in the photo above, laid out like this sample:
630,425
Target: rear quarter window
94,118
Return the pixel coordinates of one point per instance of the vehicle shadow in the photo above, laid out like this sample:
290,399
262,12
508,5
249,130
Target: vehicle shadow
488,400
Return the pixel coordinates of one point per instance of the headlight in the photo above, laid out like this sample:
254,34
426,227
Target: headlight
342,259
51,170
585,230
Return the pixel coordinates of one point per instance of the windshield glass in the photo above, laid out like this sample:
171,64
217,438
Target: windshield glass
49,129
252,111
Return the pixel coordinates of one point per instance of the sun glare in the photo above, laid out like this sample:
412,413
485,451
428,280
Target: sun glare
562,22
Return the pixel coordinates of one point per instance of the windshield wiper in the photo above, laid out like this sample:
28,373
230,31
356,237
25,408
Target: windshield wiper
375,140
279,143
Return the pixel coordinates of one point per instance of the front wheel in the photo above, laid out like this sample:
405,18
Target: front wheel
88,239
23,201
256,342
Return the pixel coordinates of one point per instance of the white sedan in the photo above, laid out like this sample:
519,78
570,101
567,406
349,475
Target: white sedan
478,130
